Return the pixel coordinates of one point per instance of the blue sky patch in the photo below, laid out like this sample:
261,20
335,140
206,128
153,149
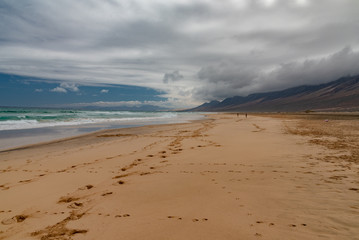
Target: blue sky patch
34,92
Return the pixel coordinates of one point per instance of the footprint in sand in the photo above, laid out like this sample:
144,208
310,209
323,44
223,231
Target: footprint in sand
15,219
55,213
76,205
88,186
105,194
197,220
3,187
124,215
67,199
25,181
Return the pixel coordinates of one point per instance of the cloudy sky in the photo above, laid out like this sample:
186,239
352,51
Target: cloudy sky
176,53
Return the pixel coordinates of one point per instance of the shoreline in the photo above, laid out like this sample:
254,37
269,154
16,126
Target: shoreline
83,137
13,139
222,177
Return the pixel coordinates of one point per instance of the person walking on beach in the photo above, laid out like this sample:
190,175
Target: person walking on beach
246,115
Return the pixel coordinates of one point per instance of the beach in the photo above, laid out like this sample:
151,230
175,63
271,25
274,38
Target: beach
223,177
25,126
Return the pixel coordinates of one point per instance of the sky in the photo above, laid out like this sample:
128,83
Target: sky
175,54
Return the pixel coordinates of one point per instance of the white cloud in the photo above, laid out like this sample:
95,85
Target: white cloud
65,87
39,90
59,90
69,86
104,91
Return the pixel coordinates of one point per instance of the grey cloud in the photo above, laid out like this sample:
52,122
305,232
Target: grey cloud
174,76
224,47
223,81
313,71
299,42
232,73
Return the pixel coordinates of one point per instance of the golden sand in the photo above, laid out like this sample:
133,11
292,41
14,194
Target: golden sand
226,177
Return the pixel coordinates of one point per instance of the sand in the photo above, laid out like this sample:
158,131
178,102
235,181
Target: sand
226,177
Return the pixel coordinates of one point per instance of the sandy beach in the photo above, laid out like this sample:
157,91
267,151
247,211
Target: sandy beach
225,177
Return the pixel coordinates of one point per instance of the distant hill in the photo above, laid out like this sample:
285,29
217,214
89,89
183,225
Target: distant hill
339,95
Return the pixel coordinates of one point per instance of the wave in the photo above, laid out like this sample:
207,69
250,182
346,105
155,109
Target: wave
11,119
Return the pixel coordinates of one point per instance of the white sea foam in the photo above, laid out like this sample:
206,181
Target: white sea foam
84,117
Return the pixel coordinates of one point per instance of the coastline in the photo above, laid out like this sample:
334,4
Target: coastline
224,177
18,138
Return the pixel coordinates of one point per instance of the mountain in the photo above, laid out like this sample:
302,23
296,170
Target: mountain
339,95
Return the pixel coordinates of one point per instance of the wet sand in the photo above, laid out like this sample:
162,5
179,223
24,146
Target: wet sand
227,177
18,137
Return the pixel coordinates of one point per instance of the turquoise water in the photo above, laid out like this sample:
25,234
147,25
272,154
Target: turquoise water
28,118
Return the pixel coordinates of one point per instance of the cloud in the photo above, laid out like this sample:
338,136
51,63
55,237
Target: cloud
70,86
222,48
231,79
104,91
313,71
174,76
228,72
65,87
59,90
39,90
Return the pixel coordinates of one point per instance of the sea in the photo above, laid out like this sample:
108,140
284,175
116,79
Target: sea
24,126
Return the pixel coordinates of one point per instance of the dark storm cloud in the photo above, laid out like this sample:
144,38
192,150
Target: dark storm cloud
225,79
313,71
224,48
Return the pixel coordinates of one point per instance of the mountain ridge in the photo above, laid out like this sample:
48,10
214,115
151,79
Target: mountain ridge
339,95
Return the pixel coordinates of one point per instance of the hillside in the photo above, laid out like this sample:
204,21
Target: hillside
339,95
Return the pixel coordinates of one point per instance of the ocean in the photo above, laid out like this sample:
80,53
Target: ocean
26,118
22,126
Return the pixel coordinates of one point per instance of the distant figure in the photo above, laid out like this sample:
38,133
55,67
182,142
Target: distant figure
237,114
246,115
